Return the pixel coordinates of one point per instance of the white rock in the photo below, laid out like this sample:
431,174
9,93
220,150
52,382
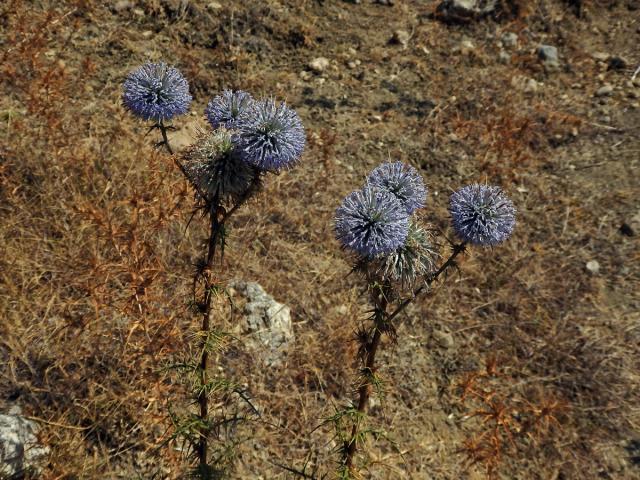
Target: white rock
20,450
214,6
593,266
461,10
266,322
319,64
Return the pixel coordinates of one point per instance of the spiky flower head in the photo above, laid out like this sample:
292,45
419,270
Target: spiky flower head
482,214
157,92
401,180
370,222
213,168
412,260
225,109
270,136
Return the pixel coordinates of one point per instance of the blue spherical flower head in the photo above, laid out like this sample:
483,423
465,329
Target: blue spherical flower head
157,92
371,221
401,180
482,214
225,109
270,136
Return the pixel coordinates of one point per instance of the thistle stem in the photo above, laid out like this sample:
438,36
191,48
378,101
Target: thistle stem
203,398
165,140
217,222
381,303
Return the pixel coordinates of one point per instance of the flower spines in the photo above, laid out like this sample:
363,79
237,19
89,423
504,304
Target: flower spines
157,92
403,181
270,136
214,169
414,259
225,109
371,221
482,214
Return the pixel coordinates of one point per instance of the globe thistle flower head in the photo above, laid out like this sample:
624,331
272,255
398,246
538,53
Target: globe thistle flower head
482,214
371,222
411,261
225,109
213,168
401,180
270,136
157,92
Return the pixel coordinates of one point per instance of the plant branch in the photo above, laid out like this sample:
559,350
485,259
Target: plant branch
457,250
165,140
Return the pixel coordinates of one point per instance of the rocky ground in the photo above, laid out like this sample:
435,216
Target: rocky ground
97,261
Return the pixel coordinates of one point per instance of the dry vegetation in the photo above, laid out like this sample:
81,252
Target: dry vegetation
96,259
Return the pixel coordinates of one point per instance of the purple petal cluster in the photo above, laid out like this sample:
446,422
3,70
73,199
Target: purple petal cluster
270,136
371,222
482,214
403,181
157,92
225,109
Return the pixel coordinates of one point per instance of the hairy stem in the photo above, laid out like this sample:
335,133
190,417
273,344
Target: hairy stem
382,318
203,398
217,221
381,302
165,139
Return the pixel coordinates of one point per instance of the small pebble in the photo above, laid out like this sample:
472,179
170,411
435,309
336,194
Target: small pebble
549,56
319,64
400,37
443,339
122,5
593,266
604,91
504,57
509,39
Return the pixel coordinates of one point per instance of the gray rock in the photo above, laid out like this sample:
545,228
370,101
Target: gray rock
604,91
549,56
20,451
464,10
509,39
267,322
